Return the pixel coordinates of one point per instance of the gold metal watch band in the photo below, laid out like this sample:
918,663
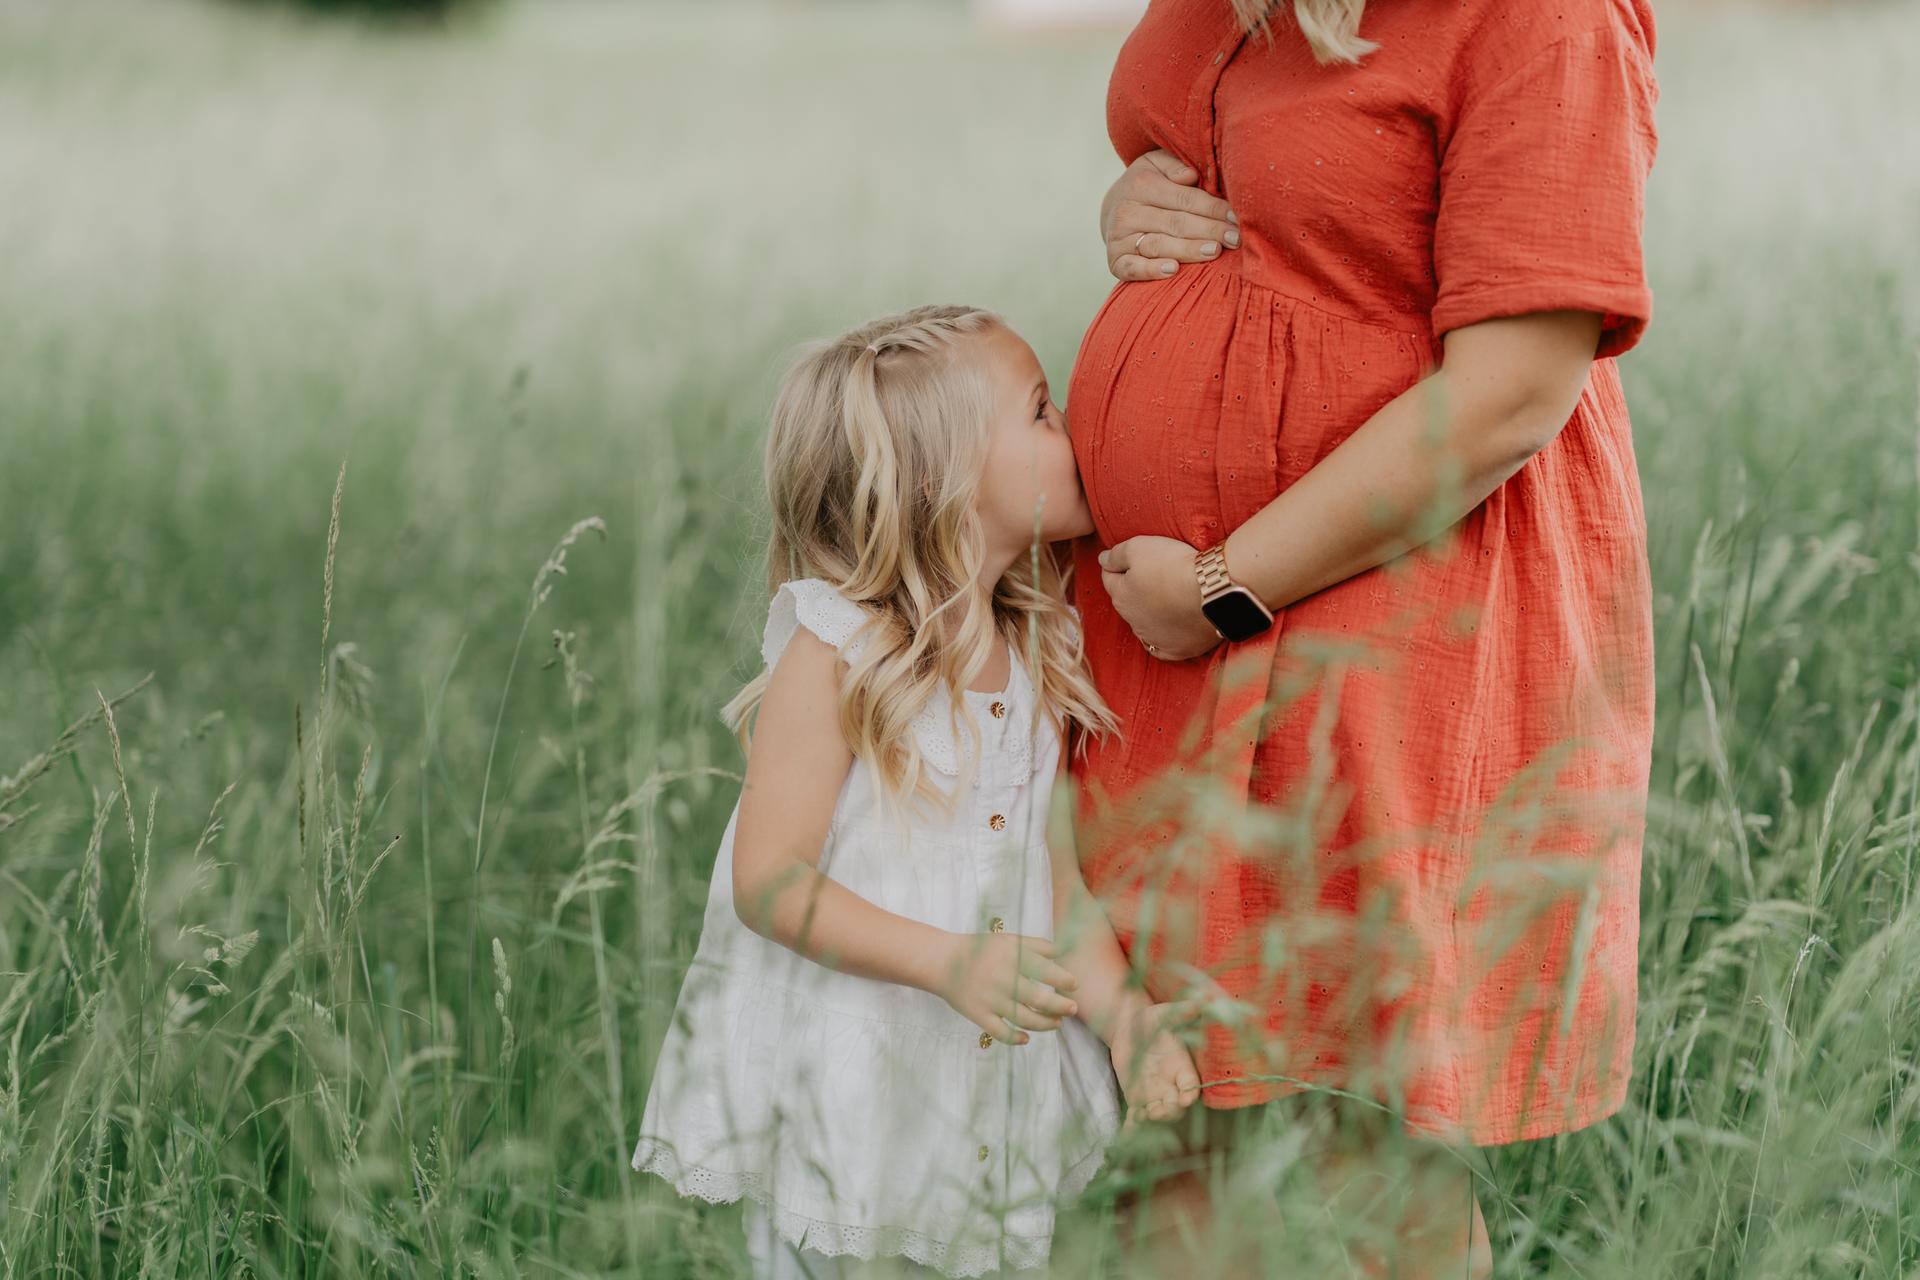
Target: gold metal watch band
1211,565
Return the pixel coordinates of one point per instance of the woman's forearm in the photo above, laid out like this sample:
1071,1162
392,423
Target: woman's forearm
813,914
1426,459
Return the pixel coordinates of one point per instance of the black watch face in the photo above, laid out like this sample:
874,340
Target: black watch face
1236,615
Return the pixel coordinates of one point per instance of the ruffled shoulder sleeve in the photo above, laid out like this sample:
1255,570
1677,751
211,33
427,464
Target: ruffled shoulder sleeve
817,605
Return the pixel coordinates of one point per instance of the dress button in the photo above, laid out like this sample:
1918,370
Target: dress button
986,1039
999,710
996,924
1216,58
998,822
981,1154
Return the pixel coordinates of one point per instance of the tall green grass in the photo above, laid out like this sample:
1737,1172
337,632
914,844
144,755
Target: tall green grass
376,521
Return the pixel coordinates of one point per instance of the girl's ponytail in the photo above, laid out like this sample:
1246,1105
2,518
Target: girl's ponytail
876,510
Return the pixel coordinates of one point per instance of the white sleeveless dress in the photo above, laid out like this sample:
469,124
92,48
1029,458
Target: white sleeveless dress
864,1118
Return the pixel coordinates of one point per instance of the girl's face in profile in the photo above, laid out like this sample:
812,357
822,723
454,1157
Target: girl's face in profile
1030,473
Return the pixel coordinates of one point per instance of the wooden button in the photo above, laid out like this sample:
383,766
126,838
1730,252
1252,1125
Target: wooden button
996,924
986,1039
998,822
999,710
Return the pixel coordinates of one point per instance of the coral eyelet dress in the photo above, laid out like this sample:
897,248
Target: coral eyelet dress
1396,838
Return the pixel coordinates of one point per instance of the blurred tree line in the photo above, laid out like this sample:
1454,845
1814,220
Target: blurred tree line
428,11
441,10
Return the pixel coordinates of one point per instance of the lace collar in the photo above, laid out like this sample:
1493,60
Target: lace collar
1012,733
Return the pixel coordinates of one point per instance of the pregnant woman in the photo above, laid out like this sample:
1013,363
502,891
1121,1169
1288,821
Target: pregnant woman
1368,588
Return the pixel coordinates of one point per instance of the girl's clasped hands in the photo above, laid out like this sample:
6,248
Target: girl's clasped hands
1010,985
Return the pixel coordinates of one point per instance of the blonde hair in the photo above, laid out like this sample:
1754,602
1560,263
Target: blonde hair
874,456
1332,27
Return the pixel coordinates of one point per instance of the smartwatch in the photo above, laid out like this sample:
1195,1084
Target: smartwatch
1235,612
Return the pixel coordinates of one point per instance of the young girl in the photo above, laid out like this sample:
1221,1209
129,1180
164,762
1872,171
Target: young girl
887,1036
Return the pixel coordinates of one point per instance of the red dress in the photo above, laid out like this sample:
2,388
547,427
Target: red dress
1397,837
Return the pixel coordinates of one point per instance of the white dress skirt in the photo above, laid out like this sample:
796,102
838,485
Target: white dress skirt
866,1119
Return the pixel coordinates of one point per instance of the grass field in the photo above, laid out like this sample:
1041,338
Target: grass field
344,947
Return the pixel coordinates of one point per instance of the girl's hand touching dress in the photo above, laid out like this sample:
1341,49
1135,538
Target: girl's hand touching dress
1152,583
1003,982
1156,1071
1153,219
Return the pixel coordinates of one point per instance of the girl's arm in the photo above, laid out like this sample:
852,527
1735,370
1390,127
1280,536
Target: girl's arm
795,769
1156,1072
1428,457
1107,995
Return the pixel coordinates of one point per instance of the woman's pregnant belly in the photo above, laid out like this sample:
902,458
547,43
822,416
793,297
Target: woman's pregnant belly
1195,400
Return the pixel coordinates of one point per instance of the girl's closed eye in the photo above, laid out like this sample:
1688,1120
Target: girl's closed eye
1031,486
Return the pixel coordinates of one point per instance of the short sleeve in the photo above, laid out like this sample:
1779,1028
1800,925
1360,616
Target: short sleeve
1542,186
815,604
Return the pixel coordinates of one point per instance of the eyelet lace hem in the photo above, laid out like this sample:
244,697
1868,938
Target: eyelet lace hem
838,1239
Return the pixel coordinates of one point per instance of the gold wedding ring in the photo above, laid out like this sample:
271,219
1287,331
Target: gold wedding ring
1137,242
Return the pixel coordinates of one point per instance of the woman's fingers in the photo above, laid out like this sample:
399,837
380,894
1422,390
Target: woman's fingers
1131,266
1163,246
1120,591
1115,562
1156,195
1179,212
1170,166
1161,194
1162,179
1171,233
1154,255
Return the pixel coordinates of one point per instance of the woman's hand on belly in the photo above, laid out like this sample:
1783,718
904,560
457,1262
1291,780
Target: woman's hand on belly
1153,219
1153,585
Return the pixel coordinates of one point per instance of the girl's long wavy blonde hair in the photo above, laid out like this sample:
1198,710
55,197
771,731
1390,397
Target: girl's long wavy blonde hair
874,456
1332,27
